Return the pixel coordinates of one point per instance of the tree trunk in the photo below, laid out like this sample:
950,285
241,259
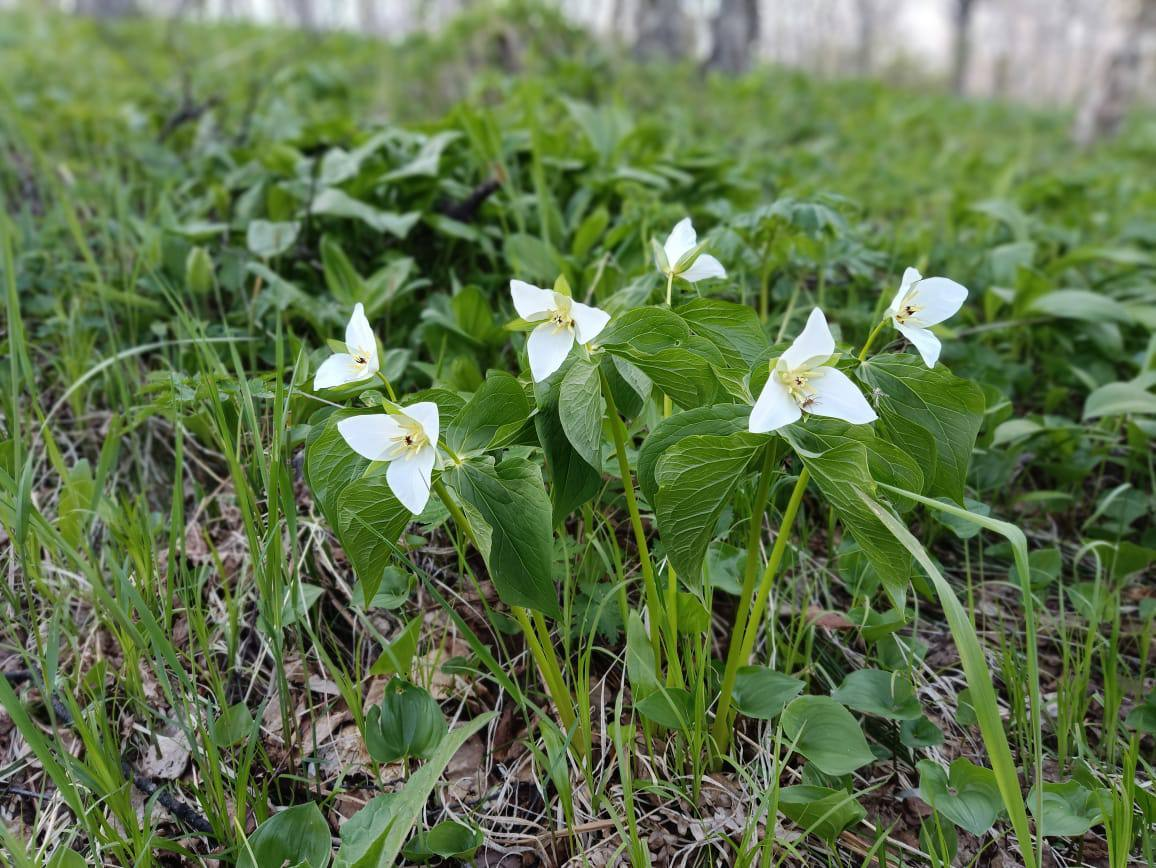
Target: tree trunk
1108,101
662,30
107,8
961,52
734,33
865,50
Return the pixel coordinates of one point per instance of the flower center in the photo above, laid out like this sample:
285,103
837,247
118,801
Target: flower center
798,383
908,309
360,357
409,441
562,320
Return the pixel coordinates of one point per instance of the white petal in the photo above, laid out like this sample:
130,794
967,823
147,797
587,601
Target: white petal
409,479
815,342
338,370
588,321
681,240
937,299
774,408
369,436
358,333
548,347
838,397
425,413
531,302
923,340
704,266
910,276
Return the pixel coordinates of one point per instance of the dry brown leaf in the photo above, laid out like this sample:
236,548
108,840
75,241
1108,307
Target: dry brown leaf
165,758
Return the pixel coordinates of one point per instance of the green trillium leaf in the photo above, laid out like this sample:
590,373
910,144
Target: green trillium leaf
967,794
826,734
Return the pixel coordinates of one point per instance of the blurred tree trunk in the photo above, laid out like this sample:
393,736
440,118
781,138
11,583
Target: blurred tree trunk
734,32
662,30
1117,88
961,50
107,8
865,50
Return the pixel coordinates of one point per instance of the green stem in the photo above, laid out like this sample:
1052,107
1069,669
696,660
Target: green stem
740,652
388,387
871,338
754,533
548,666
653,601
674,672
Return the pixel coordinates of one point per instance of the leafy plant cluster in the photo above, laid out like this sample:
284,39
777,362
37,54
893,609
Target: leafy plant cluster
628,513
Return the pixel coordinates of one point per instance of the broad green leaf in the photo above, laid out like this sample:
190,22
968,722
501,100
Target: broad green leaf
920,733
580,410
1081,304
377,842
75,506
884,694
640,663
680,372
733,328
233,725
513,502
398,654
1120,399
297,835
967,794
363,834
340,275
266,240
299,599
407,723
425,162
495,413
693,617
333,202
672,707
572,480
696,478
721,419
659,343
330,465
370,520
449,839
532,258
761,692
645,330
199,271
589,231
838,471
826,734
1069,809
916,401
820,810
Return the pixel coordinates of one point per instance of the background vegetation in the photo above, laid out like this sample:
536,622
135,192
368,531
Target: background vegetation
190,212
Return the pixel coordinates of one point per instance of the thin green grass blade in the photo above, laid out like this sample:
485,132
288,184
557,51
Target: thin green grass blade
978,677
1019,545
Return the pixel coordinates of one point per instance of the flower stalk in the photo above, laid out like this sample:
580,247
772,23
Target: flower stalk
537,640
749,617
650,586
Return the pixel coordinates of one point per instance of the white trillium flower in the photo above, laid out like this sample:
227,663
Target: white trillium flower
563,321
407,440
804,379
359,363
922,302
680,248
